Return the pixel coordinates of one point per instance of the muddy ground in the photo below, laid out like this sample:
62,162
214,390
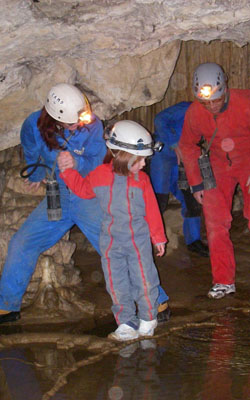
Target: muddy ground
74,360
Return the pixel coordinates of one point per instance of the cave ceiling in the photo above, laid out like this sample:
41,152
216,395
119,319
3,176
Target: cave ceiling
122,53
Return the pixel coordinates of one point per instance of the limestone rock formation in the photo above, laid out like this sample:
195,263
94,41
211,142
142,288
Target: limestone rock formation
121,53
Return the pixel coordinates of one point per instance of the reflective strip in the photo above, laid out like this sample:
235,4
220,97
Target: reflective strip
107,253
138,256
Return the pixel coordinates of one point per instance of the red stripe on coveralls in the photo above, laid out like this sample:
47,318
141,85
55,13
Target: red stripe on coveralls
107,254
138,255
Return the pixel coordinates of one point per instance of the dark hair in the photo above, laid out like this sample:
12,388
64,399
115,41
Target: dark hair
49,129
120,161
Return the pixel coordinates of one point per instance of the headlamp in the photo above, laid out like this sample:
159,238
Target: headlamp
206,92
158,146
85,117
139,146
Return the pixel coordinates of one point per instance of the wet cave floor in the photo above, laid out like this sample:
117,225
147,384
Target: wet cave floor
203,352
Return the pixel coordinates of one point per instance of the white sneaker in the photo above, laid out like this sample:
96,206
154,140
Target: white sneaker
219,290
147,328
148,344
127,351
124,332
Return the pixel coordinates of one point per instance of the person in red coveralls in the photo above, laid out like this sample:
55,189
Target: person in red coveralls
222,117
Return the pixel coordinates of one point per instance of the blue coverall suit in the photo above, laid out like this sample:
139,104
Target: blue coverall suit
164,166
37,234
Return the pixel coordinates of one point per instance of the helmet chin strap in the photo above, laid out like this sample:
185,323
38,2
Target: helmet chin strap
113,154
131,161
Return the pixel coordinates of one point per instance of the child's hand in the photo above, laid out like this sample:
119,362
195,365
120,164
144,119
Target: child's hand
65,160
160,249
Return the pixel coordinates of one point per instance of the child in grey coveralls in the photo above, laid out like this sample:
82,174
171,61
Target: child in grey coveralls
131,221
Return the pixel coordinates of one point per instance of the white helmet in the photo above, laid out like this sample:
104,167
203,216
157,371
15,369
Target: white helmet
131,137
209,81
64,102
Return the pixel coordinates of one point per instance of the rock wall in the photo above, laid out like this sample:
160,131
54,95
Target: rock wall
55,290
121,53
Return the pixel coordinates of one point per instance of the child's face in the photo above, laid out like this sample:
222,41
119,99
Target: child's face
138,166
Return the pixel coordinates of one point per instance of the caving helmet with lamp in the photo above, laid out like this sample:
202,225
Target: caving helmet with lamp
131,137
67,104
209,81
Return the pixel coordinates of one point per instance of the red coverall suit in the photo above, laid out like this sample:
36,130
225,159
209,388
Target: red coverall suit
229,156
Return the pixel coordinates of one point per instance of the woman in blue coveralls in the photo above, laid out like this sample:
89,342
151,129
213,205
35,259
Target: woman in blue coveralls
64,123
65,116
164,175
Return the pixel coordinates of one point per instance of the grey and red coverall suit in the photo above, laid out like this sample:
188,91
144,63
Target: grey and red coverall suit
229,156
130,218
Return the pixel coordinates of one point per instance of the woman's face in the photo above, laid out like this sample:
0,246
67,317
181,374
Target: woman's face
71,127
81,114
138,166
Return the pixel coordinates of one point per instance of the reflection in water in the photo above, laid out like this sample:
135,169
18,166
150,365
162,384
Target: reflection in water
202,362
228,375
218,380
135,375
18,379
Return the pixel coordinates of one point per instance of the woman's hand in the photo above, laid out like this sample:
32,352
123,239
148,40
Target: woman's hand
65,161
